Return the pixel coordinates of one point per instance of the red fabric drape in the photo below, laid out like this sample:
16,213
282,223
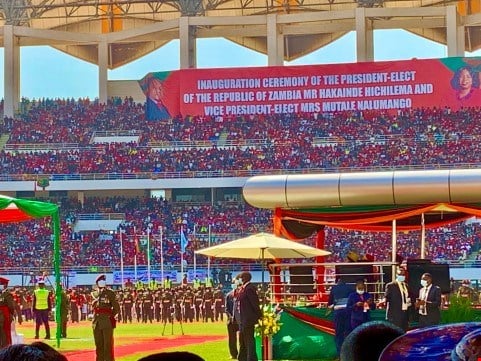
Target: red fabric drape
320,280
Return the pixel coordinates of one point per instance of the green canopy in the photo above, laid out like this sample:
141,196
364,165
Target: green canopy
19,210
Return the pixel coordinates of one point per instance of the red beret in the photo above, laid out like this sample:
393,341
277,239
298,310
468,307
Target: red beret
4,281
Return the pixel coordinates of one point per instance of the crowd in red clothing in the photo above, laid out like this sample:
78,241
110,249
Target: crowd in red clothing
30,245
420,137
427,137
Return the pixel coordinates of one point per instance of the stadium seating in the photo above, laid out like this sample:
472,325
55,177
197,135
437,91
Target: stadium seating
57,137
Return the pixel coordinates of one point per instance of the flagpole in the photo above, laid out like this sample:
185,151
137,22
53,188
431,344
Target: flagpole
148,255
161,253
208,258
195,257
135,255
121,259
181,252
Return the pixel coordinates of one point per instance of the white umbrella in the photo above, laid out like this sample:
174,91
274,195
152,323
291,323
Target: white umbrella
262,246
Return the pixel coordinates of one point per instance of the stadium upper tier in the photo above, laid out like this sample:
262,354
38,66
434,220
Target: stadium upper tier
29,244
133,28
65,137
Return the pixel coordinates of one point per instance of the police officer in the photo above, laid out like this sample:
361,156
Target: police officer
42,306
7,310
105,307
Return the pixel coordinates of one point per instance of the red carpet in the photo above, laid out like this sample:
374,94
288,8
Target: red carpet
152,346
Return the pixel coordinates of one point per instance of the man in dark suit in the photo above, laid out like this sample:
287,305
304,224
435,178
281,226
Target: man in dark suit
341,316
232,325
249,314
429,302
398,300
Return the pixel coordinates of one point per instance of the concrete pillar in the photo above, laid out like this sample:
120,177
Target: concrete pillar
11,71
454,32
103,49
188,46
364,37
275,42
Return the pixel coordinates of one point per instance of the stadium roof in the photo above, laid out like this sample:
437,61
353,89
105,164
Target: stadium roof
307,25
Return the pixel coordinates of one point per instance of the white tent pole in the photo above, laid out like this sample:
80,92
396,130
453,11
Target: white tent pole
161,254
394,248
148,255
121,258
423,238
208,258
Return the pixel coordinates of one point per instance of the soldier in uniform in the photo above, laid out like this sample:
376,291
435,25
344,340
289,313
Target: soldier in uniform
105,307
147,306
466,292
74,309
127,304
178,305
138,305
167,307
208,305
198,301
7,310
188,306
219,301
64,309
158,305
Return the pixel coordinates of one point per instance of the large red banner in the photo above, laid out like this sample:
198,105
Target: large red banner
383,86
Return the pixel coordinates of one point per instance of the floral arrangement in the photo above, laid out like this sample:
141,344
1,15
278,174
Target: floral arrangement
269,324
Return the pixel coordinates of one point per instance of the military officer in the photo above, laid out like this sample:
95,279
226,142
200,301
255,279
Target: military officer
105,307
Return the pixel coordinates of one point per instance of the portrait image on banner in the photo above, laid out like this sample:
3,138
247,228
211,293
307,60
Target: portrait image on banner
389,86
160,89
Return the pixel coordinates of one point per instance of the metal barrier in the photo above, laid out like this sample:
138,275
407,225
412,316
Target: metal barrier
287,291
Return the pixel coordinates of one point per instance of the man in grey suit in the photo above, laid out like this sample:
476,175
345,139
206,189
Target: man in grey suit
249,314
429,302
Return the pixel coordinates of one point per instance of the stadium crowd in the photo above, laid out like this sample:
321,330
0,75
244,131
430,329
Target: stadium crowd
419,137
31,246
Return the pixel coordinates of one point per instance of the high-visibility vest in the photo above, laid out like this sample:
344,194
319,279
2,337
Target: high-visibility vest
167,283
153,284
196,283
41,299
208,282
139,285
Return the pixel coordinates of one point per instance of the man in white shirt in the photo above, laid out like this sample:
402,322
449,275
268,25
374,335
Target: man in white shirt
398,300
429,302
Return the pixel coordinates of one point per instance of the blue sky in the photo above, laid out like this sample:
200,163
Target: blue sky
47,72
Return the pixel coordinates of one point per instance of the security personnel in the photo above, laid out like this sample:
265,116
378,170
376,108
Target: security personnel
153,284
7,310
167,283
105,307
41,307
139,285
196,283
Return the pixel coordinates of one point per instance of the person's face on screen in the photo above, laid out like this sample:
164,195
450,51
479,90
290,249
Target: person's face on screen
465,79
156,90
